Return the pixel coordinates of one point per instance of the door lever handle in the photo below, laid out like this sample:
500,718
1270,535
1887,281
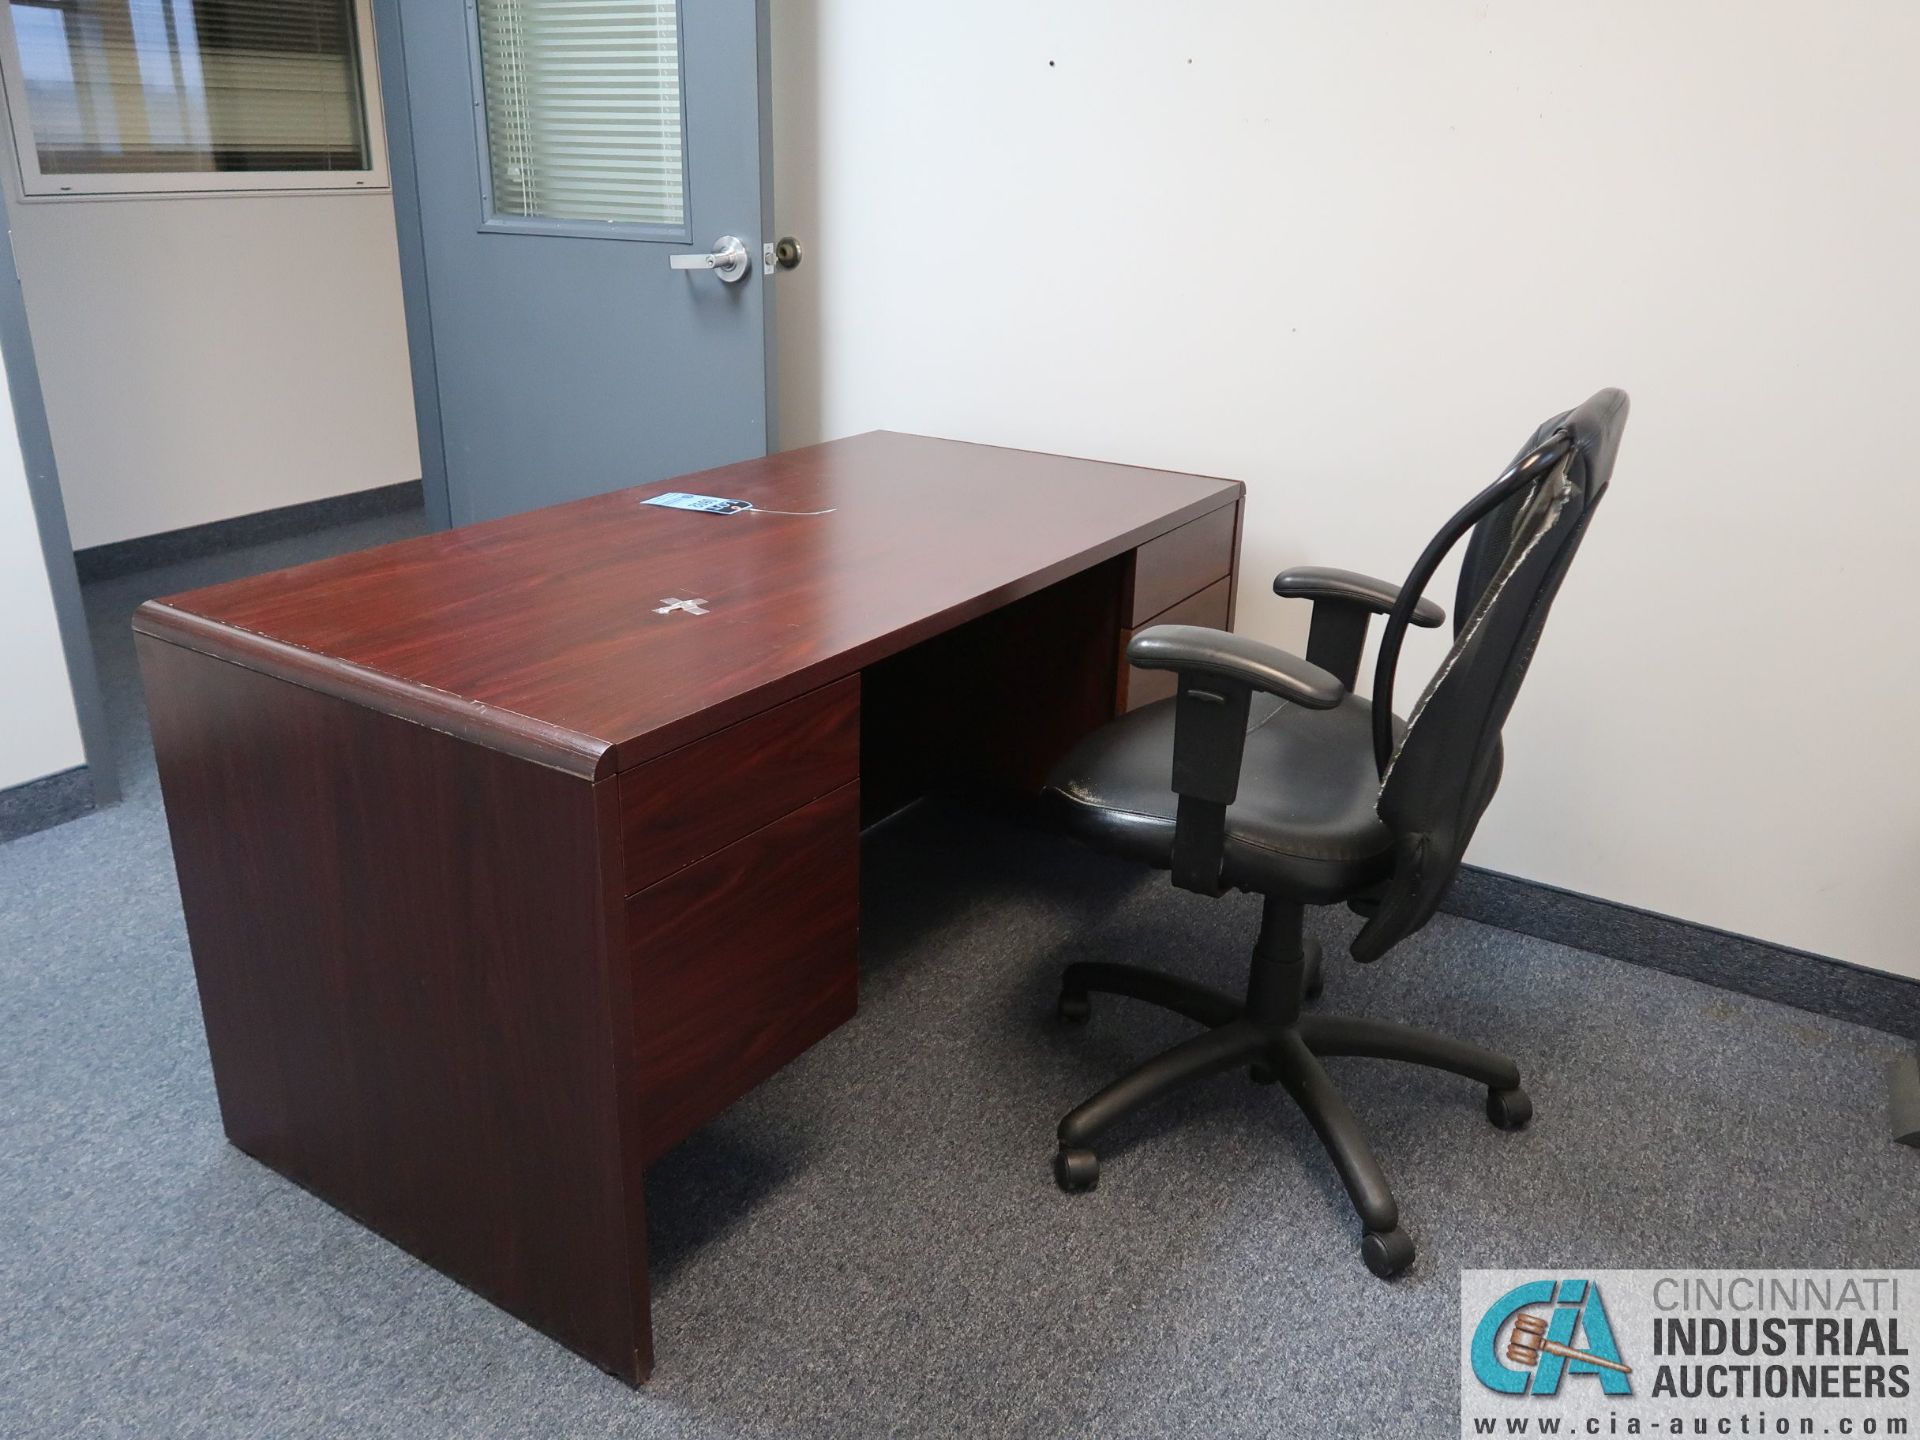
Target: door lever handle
728,260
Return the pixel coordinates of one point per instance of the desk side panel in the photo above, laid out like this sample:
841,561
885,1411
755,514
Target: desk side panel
401,943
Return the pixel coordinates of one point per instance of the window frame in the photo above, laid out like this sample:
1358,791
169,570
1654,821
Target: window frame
491,222
36,186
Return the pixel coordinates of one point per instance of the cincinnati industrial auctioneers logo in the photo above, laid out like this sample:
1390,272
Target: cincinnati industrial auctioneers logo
1574,1336
1686,1352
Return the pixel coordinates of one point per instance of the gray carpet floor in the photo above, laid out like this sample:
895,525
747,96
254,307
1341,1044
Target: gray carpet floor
871,1244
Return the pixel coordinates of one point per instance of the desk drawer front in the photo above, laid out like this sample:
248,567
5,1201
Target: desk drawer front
703,796
742,961
1182,562
1209,607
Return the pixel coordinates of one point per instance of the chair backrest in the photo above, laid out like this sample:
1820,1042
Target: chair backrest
1438,776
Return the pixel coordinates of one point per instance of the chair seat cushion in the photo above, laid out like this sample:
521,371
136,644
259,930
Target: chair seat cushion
1304,824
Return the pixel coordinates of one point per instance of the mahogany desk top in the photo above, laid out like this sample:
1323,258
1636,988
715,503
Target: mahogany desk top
539,630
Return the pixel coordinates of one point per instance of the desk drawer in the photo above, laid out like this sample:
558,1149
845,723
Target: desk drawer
1182,562
692,801
1209,607
743,960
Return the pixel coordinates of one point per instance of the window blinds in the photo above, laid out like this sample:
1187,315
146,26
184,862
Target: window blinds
280,80
158,86
583,109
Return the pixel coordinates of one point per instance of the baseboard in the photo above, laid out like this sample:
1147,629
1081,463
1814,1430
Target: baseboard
41,804
1680,947
147,552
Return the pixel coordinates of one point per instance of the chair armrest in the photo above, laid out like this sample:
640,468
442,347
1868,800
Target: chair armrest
1320,582
1218,674
1221,655
1343,602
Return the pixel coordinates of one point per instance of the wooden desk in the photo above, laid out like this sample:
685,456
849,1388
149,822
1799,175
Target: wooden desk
500,881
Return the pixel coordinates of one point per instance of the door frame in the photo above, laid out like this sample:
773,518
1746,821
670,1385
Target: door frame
417,303
50,518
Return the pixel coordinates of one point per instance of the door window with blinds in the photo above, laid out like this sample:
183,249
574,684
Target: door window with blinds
123,96
580,115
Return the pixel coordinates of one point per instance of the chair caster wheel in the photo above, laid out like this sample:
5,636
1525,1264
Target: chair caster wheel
1509,1109
1262,1072
1076,1170
1387,1252
1074,1008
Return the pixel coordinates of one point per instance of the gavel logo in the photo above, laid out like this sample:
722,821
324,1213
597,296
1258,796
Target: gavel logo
1529,1342
1509,1347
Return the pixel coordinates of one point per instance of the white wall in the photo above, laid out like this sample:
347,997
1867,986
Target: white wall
39,731
210,357
1351,254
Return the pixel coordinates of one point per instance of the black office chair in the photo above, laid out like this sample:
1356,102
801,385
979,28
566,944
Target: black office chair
1290,785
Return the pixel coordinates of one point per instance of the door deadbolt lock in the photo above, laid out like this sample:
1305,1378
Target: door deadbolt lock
784,253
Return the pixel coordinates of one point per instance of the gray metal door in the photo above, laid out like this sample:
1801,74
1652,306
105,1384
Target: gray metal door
551,161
